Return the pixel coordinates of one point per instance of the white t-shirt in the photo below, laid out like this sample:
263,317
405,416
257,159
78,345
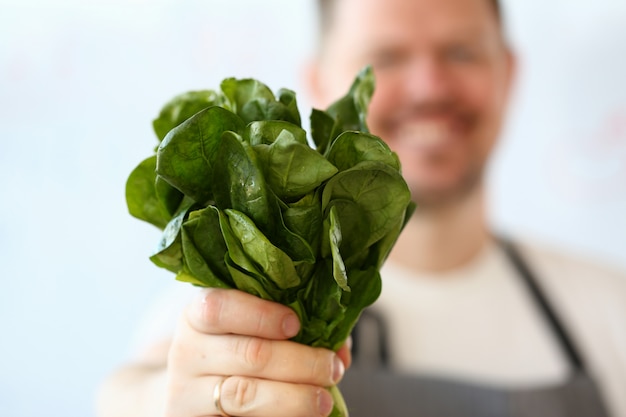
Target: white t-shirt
479,323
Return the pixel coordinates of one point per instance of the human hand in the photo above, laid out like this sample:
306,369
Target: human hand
236,345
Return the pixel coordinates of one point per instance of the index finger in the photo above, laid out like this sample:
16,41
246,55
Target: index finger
220,311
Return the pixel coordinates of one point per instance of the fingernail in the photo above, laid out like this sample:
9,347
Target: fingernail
349,342
291,325
338,369
324,402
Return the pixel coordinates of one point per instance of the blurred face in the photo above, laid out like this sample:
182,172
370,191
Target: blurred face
442,80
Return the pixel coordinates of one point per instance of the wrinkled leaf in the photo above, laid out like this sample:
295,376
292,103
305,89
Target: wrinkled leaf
322,127
304,218
186,156
270,260
246,281
378,189
293,169
181,108
339,268
366,287
169,253
141,196
241,185
350,111
247,203
354,221
204,248
266,131
350,148
288,99
169,197
238,93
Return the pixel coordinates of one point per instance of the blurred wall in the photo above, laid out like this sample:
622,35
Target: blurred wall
81,80
560,174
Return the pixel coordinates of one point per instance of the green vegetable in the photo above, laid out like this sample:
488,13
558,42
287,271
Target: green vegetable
244,201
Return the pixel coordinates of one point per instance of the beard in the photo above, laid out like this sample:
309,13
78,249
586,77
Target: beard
437,177
428,197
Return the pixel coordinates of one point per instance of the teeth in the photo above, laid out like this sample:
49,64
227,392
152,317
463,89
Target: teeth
425,133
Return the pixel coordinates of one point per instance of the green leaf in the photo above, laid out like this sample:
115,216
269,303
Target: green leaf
354,221
288,99
378,189
244,281
169,253
252,100
181,108
339,268
322,127
186,156
185,276
381,249
351,148
293,169
169,197
366,287
245,274
350,111
326,305
296,246
266,131
270,260
247,203
304,218
239,93
235,249
204,248
241,184
141,195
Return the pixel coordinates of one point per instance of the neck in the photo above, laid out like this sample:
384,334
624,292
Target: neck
445,237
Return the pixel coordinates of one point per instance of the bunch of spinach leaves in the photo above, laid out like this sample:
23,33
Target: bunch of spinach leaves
245,202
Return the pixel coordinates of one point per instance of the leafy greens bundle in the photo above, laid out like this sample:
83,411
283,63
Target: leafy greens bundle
245,202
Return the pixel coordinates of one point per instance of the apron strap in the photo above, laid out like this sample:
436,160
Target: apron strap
370,344
527,275
370,341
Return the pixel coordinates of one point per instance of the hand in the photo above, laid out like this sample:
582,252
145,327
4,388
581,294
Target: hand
240,339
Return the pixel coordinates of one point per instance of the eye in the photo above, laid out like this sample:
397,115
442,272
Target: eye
461,54
386,60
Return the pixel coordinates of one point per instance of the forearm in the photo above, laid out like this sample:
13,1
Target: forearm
133,391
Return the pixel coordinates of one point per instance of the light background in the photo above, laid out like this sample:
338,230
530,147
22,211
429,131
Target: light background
81,80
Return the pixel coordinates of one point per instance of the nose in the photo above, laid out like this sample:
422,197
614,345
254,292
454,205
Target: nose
426,80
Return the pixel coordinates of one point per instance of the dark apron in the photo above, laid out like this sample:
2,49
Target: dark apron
371,389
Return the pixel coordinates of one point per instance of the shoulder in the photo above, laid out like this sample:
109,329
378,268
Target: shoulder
589,295
590,298
577,274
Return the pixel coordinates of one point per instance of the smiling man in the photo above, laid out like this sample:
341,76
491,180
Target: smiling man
475,325
443,73
467,324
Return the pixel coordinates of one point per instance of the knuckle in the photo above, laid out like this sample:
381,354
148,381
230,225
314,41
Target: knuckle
256,353
259,321
240,393
321,367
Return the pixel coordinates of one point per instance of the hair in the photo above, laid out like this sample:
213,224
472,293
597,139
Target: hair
325,13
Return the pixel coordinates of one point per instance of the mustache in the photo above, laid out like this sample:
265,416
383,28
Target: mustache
429,109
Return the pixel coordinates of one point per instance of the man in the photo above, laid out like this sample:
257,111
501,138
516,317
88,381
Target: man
463,321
